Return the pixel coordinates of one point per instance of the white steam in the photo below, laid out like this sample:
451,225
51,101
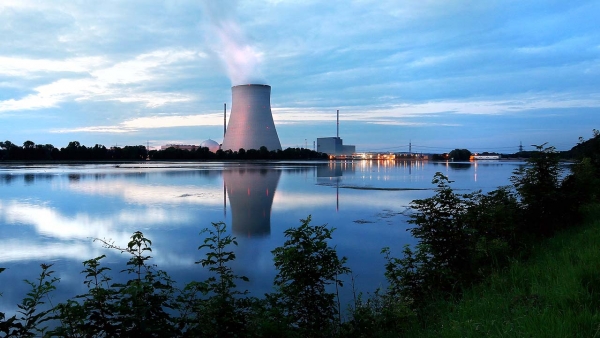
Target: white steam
242,61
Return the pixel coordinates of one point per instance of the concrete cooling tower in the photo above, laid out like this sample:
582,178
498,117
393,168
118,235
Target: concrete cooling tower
251,123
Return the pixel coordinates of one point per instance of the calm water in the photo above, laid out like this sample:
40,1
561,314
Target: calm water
50,214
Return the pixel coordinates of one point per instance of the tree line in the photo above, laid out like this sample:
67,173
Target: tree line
462,238
75,151
465,154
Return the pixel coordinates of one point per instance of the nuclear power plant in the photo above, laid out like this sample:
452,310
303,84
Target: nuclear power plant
251,123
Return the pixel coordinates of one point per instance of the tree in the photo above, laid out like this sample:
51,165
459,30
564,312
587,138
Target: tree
224,313
538,187
28,145
460,155
306,265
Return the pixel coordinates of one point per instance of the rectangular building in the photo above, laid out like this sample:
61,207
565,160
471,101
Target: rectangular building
334,146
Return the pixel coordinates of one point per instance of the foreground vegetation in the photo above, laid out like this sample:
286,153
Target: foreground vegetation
555,293
485,264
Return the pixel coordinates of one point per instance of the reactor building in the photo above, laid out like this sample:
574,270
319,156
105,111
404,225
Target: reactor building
334,146
251,123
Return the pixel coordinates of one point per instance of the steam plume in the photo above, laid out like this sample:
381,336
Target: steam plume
241,60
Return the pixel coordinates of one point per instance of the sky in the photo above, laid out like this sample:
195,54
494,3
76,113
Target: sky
436,74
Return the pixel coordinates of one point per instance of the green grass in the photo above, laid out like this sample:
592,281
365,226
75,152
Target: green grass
555,293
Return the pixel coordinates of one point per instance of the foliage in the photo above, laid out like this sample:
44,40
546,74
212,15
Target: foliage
95,315
30,318
460,155
583,183
590,149
75,151
555,293
461,238
379,315
306,265
225,312
538,187
136,308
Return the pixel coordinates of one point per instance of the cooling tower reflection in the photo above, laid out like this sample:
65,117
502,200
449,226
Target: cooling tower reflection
251,193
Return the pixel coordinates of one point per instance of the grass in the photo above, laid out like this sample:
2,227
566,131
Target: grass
556,293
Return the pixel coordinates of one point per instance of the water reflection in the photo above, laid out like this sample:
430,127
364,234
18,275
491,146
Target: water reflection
460,165
331,169
251,193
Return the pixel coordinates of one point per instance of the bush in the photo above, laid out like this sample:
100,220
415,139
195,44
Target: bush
461,237
306,265
538,187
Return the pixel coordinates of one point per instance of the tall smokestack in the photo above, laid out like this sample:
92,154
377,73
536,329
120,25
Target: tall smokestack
337,134
224,120
251,123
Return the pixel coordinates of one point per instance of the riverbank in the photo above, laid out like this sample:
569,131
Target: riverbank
555,293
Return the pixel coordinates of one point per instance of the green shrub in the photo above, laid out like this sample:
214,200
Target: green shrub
306,265
30,319
538,187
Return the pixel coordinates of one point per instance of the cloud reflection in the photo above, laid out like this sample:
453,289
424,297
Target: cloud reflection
152,194
74,233
213,196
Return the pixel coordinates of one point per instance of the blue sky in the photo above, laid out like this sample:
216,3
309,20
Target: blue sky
442,74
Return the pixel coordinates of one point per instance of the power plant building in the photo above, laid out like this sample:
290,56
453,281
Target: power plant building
251,123
334,146
212,145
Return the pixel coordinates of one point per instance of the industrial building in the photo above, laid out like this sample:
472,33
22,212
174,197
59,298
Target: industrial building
334,146
188,147
251,123
212,145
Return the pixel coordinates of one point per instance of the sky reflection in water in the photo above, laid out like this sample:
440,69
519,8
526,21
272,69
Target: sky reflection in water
52,213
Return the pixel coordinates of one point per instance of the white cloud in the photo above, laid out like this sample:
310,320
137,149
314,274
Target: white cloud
399,115
97,81
24,67
152,122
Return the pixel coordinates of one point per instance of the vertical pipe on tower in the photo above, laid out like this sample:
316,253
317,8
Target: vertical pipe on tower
224,119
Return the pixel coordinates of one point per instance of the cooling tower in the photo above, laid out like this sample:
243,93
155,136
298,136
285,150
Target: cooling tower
251,123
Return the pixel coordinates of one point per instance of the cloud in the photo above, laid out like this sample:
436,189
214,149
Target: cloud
152,122
23,67
415,114
98,81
